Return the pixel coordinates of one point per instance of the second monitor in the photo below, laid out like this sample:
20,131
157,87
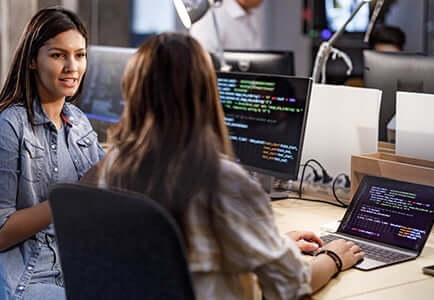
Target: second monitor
266,116
102,100
396,71
258,61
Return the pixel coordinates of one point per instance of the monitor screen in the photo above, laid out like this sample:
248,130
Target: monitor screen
101,100
266,117
257,61
337,13
396,71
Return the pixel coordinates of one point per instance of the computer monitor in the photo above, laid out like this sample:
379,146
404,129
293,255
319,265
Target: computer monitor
266,117
396,71
101,100
337,13
328,16
258,61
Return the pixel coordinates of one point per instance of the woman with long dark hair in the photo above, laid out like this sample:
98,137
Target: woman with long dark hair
172,145
43,140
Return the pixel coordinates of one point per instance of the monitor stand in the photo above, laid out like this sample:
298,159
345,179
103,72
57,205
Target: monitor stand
267,183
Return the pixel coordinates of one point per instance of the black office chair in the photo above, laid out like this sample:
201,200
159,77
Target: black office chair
117,245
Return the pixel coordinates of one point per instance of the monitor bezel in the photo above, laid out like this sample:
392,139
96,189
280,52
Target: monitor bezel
382,72
269,172
287,54
96,56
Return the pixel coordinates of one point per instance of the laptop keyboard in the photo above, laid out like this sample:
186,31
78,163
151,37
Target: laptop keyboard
371,251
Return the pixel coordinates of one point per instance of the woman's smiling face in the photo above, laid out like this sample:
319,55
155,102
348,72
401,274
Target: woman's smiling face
60,66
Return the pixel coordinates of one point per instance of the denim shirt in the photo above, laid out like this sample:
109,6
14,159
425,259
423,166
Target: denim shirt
28,166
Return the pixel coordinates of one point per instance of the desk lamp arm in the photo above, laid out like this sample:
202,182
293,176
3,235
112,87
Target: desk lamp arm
325,48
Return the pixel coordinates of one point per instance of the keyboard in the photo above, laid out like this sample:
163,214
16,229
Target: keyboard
371,251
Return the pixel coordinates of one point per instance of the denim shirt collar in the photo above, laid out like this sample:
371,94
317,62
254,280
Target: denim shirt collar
40,117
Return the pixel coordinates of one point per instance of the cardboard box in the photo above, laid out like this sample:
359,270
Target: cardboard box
391,166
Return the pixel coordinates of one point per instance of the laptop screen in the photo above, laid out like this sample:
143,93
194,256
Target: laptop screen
392,212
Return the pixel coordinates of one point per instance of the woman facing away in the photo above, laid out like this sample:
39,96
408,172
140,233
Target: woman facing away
172,145
43,140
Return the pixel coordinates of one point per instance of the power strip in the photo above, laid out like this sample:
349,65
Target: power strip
319,188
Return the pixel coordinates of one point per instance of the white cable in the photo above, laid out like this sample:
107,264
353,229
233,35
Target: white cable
324,68
336,53
374,17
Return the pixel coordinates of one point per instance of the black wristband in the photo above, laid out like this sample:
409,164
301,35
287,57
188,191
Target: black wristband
335,258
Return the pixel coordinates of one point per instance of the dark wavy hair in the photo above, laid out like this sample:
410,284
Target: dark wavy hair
20,85
384,34
171,134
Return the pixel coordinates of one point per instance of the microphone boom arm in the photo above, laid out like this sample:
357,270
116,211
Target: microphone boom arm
325,48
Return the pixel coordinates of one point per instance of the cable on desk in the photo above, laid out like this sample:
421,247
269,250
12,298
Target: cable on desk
334,189
305,165
300,188
326,177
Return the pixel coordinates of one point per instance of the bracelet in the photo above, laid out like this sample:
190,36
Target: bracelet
335,258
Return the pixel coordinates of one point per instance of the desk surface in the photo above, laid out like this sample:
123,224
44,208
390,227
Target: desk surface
400,281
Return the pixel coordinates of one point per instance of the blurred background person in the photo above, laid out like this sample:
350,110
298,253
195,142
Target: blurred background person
237,25
387,38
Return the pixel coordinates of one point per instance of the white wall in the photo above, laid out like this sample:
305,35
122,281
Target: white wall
14,15
283,26
409,15
152,16
70,4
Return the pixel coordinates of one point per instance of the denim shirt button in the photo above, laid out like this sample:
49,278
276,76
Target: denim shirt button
56,169
53,146
29,268
20,287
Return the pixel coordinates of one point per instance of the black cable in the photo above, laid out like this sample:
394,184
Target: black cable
326,178
334,190
313,169
317,177
300,188
315,161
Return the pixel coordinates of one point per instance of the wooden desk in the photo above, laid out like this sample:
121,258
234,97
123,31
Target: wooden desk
401,281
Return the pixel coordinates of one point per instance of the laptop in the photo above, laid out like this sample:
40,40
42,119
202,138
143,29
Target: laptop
390,220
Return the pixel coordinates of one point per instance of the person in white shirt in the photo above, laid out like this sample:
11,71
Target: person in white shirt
237,24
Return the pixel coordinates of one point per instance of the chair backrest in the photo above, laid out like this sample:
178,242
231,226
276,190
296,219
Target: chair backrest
117,245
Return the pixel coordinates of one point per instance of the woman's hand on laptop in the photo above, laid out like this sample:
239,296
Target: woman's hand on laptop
306,241
347,251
